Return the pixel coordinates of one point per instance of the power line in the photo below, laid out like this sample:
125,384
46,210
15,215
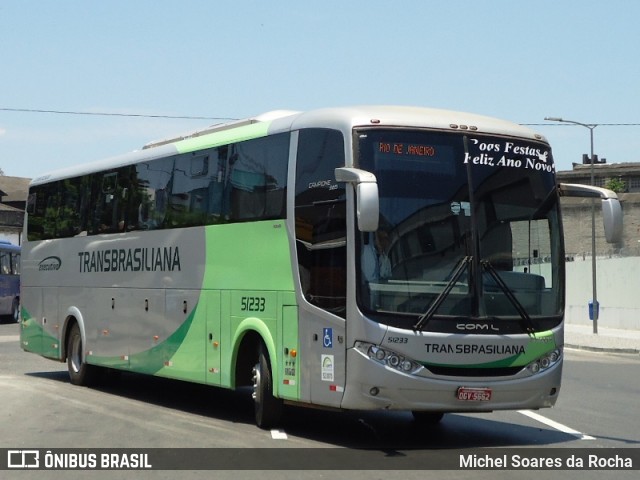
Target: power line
106,114
194,117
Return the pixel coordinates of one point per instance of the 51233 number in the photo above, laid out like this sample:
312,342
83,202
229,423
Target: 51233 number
253,304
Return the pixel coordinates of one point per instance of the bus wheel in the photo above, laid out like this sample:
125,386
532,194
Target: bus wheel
427,418
79,372
268,409
15,310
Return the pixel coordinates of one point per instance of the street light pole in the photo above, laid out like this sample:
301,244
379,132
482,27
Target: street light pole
591,127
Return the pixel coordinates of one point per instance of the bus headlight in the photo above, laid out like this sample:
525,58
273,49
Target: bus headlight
545,362
389,358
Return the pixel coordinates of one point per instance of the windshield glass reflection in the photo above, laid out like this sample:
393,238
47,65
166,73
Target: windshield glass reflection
465,232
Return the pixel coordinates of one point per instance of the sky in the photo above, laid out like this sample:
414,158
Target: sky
145,61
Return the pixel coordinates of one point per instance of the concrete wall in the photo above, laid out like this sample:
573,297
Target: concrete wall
618,289
617,266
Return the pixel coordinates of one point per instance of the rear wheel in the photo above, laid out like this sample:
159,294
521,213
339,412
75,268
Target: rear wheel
80,373
268,409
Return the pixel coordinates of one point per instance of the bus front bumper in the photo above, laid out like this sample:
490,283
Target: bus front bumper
372,386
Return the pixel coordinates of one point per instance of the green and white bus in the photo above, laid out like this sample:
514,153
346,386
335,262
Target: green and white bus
354,258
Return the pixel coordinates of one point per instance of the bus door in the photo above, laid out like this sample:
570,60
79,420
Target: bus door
320,230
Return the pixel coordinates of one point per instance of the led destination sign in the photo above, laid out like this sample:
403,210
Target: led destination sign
410,149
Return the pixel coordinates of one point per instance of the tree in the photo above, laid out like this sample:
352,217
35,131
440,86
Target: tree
616,184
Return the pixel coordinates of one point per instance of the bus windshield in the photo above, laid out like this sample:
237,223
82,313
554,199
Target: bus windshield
469,232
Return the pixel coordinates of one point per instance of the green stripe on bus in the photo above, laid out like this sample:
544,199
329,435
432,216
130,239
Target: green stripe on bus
155,359
224,137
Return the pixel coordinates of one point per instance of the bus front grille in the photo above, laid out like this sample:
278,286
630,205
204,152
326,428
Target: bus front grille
473,372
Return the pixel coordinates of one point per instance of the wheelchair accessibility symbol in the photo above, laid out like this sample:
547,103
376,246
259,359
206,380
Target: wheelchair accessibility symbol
327,337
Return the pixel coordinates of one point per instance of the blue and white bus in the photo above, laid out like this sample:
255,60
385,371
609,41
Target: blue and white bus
9,280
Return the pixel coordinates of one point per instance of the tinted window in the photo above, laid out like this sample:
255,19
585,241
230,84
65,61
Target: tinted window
245,181
320,212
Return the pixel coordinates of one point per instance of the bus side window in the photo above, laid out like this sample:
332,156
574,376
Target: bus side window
50,214
15,264
153,179
34,215
218,176
190,189
69,222
258,178
5,263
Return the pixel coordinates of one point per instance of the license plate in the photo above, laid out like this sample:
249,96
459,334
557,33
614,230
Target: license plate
469,394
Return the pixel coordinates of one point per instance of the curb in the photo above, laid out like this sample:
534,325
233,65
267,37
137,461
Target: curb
624,351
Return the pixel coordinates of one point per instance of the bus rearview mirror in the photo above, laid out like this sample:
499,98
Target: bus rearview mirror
612,219
367,200
367,207
611,209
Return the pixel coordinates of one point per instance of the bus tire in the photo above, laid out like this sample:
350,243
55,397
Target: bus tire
80,373
427,418
268,409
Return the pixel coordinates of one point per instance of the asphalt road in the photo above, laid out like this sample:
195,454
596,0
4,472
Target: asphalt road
598,409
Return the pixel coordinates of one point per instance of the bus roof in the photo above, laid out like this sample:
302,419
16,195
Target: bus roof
407,116
342,118
6,245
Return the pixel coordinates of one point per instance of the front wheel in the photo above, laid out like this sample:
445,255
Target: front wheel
80,373
268,409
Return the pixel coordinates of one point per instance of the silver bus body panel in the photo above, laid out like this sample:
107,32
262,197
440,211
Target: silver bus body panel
397,390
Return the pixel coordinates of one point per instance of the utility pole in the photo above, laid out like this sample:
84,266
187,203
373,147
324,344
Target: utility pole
595,305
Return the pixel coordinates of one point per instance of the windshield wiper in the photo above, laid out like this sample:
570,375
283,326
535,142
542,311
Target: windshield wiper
527,324
426,316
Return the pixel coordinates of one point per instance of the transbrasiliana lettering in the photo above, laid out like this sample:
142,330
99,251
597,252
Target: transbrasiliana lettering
143,259
465,349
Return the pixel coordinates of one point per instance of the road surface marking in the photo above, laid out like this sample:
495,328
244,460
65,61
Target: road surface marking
556,425
10,338
278,435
